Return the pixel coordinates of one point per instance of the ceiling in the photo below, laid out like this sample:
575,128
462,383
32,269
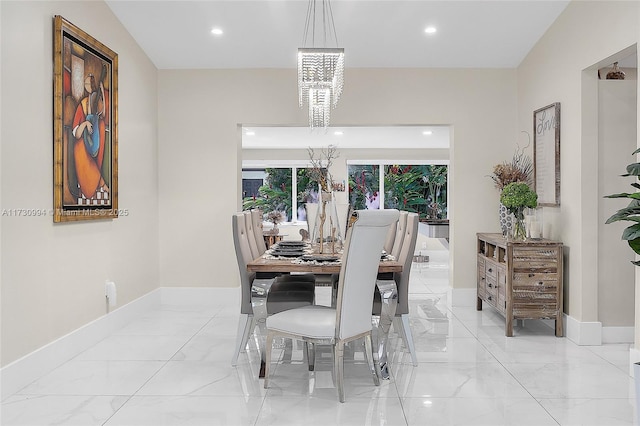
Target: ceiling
267,34
346,137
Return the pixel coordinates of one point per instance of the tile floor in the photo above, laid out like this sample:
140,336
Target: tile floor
171,367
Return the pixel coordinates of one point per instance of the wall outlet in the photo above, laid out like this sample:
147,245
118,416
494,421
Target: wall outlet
424,245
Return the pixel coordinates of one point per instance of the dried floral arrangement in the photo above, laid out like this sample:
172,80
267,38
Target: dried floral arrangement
275,217
520,169
320,166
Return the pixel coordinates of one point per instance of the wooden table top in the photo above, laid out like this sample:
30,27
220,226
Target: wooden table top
264,264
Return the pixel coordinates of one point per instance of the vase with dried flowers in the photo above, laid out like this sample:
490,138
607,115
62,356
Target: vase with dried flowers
320,173
275,217
519,169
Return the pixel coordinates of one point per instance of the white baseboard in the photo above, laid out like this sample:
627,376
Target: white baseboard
618,334
25,370
587,333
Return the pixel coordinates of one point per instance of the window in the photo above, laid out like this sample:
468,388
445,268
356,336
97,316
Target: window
420,188
275,191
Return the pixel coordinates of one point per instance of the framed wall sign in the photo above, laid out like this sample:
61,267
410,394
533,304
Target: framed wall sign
85,126
546,154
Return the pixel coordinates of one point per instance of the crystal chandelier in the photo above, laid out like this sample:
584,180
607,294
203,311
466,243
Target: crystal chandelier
320,69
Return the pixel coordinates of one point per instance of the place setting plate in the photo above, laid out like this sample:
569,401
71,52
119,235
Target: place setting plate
321,257
291,244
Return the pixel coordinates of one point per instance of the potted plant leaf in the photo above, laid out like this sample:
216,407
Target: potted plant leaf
630,213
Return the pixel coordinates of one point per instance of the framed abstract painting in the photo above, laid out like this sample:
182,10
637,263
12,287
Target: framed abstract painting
85,126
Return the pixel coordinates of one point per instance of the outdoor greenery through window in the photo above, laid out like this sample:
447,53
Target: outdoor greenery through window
420,188
415,188
272,189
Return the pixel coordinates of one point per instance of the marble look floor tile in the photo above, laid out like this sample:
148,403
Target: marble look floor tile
59,410
94,378
428,328
203,378
226,326
591,412
165,325
203,347
463,380
573,380
468,373
617,354
185,310
539,349
445,349
135,348
295,411
188,410
294,379
475,411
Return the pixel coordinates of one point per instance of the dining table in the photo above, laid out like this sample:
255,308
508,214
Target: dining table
272,262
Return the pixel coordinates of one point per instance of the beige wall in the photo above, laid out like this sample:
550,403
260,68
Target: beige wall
200,156
617,139
584,35
53,276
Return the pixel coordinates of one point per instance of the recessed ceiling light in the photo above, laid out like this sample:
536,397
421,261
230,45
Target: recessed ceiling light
430,30
250,133
427,132
216,31
338,133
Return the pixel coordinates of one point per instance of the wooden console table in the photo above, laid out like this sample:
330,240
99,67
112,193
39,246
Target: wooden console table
521,279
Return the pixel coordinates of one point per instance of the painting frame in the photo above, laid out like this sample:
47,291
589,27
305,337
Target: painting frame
85,126
546,154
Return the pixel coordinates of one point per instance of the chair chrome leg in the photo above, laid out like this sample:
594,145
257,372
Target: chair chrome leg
245,328
402,326
267,362
311,355
389,299
338,359
368,353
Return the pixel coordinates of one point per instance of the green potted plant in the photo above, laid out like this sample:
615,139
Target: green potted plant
630,213
517,196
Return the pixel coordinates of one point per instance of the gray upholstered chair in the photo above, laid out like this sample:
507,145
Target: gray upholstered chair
397,242
351,319
251,235
256,219
287,291
391,236
405,256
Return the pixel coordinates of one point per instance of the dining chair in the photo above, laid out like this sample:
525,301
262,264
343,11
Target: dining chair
391,236
397,242
351,318
251,235
256,218
286,292
405,257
